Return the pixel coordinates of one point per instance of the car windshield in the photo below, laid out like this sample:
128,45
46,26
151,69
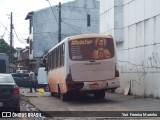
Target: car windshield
6,79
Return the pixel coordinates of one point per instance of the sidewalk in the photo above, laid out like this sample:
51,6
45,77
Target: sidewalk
25,92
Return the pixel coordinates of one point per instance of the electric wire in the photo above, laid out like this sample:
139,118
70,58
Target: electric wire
78,27
17,36
53,12
72,27
4,26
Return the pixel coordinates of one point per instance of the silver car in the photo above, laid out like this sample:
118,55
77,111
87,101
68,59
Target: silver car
9,94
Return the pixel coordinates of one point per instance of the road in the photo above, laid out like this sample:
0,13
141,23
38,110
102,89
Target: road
112,102
26,112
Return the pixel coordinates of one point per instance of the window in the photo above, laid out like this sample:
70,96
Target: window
88,20
56,57
62,55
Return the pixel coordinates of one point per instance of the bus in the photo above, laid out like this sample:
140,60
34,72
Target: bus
84,63
4,63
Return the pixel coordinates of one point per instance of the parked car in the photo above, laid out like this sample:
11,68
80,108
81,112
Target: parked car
9,94
21,79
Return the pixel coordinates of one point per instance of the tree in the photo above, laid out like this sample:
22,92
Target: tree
5,48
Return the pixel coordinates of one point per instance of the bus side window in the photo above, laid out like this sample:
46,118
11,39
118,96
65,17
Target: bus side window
56,57
49,61
59,54
62,55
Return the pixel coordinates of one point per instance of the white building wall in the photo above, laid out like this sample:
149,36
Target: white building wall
109,18
74,21
139,51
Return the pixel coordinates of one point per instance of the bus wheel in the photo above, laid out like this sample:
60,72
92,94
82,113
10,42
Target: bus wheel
52,93
64,96
99,94
46,88
113,91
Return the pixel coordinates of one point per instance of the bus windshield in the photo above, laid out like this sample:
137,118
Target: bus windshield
91,49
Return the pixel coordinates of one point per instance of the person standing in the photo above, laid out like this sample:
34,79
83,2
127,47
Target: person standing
32,81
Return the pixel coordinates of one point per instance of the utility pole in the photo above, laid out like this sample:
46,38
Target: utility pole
59,29
11,38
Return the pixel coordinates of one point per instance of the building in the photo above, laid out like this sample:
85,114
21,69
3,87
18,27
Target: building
22,61
135,25
77,17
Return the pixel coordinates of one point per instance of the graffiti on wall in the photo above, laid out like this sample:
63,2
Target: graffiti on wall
139,72
154,60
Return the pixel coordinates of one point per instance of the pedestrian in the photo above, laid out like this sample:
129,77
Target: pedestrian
35,82
32,81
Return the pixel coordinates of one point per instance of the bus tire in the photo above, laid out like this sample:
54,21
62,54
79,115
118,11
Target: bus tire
52,93
112,90
59,91
64,96
46,88
99,94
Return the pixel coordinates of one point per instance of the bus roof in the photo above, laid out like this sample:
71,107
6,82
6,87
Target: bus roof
89,36
81,36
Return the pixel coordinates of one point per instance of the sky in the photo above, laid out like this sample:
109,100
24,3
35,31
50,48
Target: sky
19,9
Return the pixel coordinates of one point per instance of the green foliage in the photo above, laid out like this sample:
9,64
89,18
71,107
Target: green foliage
5,48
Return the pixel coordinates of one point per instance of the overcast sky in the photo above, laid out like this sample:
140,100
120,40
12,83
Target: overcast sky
19,9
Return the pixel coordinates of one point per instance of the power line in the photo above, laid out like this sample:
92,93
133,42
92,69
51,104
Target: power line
17,36
41,33
52,11
78,27
72,27
78,7
37,20
78,19
4,26
20,23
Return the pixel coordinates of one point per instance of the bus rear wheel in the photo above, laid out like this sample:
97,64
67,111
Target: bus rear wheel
52,93
99,94
64,96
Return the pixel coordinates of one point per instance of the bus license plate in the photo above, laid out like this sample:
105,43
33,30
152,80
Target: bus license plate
1,104
94,85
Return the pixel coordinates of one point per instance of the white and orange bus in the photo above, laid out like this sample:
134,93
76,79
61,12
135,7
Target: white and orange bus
83,63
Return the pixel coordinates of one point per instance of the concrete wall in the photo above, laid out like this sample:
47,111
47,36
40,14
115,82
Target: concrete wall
74,21
139,53
111,18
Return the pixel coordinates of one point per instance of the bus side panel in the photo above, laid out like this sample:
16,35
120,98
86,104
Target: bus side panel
57,77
